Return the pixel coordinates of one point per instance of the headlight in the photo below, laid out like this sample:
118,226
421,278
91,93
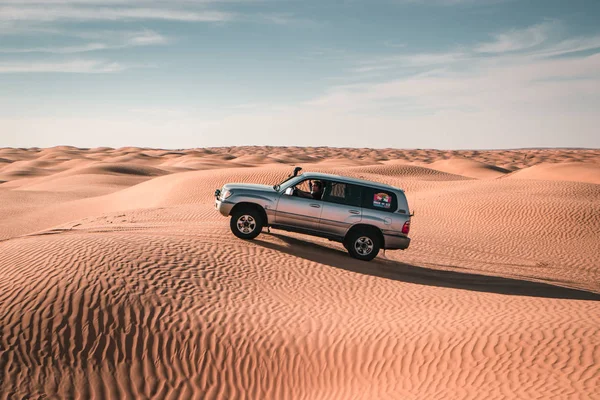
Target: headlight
226,194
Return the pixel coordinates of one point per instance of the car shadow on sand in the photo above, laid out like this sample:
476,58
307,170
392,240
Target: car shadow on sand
408,273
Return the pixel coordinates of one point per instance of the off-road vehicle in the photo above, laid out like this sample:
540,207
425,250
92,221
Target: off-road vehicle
364,216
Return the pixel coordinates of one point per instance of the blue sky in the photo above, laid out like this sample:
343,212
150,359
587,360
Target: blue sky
384,73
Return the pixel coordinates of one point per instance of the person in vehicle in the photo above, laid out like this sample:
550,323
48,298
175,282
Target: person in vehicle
316,191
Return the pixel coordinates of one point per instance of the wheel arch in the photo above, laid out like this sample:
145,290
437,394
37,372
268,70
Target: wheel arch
248,205
366,227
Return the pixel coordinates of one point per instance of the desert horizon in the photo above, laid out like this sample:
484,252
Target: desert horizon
119,279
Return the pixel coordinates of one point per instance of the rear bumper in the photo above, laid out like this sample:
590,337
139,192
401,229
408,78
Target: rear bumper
396,242
223,207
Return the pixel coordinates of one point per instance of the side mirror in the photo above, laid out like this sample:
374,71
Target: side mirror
289,191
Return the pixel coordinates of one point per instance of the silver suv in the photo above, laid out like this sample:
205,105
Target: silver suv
364,216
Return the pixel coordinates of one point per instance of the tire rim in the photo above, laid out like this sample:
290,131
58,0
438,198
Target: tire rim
363,245
246,224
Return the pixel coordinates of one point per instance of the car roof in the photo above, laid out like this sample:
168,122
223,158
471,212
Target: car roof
347,179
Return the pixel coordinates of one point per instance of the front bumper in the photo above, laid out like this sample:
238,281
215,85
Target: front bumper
396,242
223,207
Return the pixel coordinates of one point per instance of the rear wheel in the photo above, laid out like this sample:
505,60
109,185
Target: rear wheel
363,245
246,223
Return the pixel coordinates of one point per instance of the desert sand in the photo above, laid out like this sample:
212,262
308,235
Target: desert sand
118,279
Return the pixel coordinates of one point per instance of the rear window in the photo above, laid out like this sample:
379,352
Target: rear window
343,193
378,199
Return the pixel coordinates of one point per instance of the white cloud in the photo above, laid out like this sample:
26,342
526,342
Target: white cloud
517,96
123,2
146,38
27,28
121,40
371,68
569,46
519,39
415,60
429,59
69,13
539,41
522,98
551,84
422,61
73,66
454,2
501,102
58,50
520,72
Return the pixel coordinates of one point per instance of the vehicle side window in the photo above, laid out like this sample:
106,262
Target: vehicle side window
343,193
304,186
378,199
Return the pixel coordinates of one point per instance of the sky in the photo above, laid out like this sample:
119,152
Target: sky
446,74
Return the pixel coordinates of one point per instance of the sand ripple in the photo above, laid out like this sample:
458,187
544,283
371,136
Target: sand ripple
119,280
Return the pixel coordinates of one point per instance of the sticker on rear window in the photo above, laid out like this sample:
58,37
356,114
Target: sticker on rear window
382,200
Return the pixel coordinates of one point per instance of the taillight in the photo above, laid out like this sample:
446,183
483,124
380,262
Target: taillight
406,227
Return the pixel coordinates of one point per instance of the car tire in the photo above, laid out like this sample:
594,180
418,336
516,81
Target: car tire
246,223
363,244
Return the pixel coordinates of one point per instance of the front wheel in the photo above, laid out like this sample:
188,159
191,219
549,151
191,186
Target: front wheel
246,224
363,245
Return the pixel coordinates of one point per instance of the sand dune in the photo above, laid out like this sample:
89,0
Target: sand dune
568,171
406,171
88,183
119,280
25,168
121,169
470,168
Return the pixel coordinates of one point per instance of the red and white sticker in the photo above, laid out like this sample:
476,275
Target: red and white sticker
382,200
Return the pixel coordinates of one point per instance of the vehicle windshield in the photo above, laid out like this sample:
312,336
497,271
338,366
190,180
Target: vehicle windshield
277,187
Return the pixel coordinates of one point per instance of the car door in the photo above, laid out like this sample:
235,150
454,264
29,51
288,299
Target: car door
341,208
298,212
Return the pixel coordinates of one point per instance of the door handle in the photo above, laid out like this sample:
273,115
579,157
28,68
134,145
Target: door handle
315,206
354,212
